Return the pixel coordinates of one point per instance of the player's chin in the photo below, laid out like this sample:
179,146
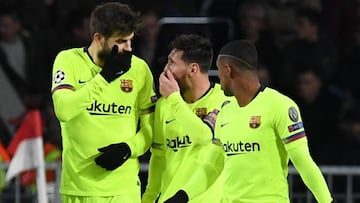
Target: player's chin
227,92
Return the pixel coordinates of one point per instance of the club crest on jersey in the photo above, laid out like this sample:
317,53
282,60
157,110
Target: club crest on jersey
255,121
293,114
201,112
126,85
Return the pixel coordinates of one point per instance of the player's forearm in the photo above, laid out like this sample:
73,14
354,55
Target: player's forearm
68,102
156,168
310,173
210,163
200,132
142,141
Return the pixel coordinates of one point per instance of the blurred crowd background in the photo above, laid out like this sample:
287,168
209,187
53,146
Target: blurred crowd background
308,49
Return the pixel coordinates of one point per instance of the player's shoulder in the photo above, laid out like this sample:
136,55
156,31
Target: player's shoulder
277,97
70,53
217,90
137,61
220,94
139,66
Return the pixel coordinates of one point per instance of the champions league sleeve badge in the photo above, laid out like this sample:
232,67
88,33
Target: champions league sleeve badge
59,76
293,114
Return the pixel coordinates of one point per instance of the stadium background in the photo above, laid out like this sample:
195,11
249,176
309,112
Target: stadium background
308,49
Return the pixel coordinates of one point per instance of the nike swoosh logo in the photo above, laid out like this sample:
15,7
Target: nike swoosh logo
169,121
81,81
224,124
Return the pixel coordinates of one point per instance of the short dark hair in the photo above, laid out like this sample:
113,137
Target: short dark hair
197,49
241,53
114,17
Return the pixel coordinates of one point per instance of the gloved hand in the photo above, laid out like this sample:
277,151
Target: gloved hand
113,156
179,197
116,64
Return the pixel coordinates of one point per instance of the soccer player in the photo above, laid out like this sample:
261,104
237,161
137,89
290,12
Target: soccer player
101,94
260,133
184,121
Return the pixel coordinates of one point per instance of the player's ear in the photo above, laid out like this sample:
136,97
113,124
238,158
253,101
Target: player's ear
229,72
194,68
99,38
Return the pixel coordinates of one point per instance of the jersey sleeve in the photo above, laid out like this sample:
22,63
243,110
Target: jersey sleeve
68,100
156,168
140,143
288,123
290,128
210,163
147,97
157,158
201,133
310,172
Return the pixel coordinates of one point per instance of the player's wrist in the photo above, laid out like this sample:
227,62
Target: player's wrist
174,97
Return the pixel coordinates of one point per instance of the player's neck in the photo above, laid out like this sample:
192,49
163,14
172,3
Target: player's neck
197,89
246,92
93,53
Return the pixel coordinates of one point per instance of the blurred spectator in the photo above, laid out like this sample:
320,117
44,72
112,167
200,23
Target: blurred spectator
339,18
281,20
264,75
251,24
21,77
312,45
320,112
350,126
349,71
37,15
77,28
146,39
223,8
348,146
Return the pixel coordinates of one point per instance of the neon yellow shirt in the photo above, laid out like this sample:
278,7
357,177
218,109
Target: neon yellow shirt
180,137
94,114
258,140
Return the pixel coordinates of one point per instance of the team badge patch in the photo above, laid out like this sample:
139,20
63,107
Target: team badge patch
154,99
59,76
201,112
126,85
293,114
210,119
255,121
295,127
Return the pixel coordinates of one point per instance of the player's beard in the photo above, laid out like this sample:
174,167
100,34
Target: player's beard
182,82
104,54
226,90
227,93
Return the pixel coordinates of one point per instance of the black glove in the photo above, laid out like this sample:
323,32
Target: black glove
116,64
113,156
179,197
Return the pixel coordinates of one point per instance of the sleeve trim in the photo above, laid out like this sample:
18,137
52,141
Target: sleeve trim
64,86
294,137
